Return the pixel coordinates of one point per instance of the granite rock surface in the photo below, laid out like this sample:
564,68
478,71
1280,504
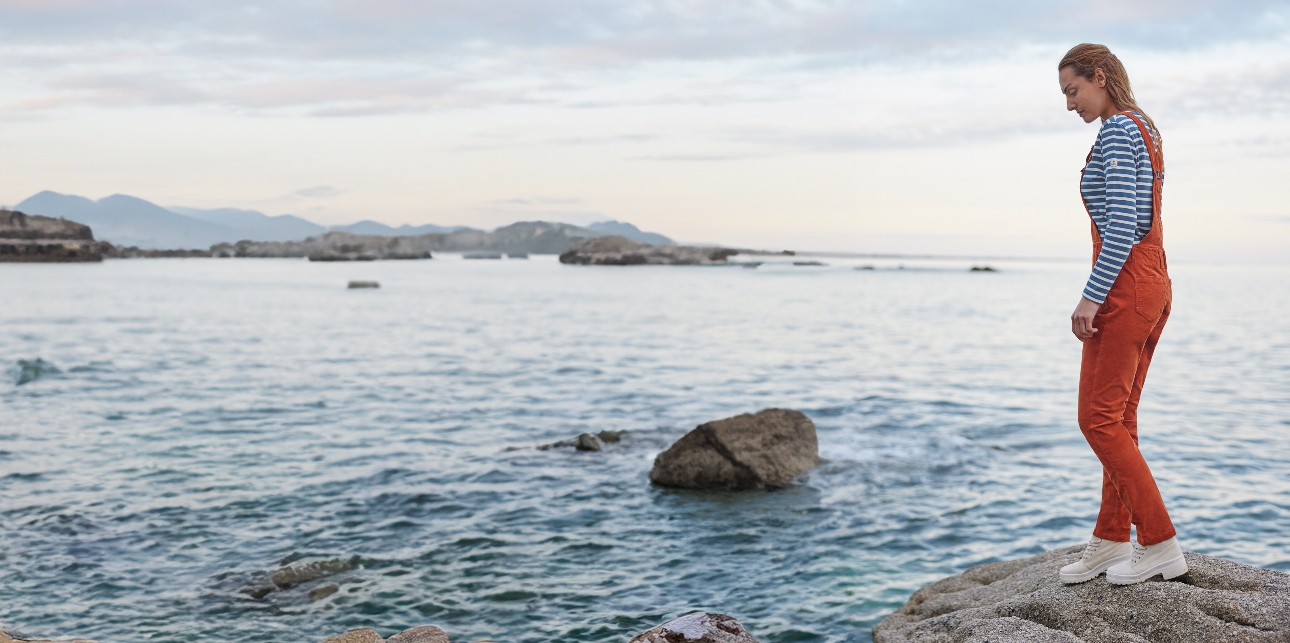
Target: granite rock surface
1022,600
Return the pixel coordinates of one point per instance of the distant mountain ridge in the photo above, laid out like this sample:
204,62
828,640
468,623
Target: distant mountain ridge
130,221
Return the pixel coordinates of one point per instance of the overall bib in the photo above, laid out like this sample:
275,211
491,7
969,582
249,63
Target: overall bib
1112,371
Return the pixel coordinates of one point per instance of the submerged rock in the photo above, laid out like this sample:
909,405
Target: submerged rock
700,627
621,251
297,573
750,451
584,441
30,370
5,638
1022,600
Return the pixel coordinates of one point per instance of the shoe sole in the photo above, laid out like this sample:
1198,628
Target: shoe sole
1073,579
1172,568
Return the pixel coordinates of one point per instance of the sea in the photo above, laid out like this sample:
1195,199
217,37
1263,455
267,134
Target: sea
172,431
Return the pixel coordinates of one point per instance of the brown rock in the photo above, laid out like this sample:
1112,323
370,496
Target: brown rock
423,634
751,451
319,593
355,636
699,627
1023,600
614,250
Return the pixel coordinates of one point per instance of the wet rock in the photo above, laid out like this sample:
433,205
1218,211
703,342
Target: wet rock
423,634
30,370
355,636
1022,600
319,593
584,441
5,638
751,451
700,627
614,250
587,442
297,573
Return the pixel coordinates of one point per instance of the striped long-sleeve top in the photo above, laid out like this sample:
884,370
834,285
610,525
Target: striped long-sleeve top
1117,188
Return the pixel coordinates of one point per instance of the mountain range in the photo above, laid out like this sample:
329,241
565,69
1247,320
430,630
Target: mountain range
130,221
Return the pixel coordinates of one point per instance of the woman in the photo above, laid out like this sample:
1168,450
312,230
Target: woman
1119,318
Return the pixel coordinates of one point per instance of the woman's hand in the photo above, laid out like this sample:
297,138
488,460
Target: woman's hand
1082,319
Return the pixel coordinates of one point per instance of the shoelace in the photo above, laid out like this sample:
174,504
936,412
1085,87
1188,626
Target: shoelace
1138,552
1091,548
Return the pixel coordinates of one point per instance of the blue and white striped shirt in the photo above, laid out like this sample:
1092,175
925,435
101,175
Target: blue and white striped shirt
1117,188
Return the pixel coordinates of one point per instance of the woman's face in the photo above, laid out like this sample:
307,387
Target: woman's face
1085,97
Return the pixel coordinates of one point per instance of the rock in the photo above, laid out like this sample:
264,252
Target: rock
32,238
587,442
610,437
355,636
319,593
761,451
298,573
809,263
481,255
620,251
364,284
5,638
423,634
30,370
982,269
700,627
1022,600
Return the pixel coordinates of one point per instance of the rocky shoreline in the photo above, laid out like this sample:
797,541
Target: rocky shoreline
1022,600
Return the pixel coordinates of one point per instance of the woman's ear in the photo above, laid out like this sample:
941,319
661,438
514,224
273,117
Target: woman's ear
1099,77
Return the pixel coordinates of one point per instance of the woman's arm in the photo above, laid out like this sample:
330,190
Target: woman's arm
1119,166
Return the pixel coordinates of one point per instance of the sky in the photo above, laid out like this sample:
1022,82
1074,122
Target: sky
915,126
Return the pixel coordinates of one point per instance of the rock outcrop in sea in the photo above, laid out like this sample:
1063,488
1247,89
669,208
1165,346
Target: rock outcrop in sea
31,238
765,450
1022,601
621,251
535,237
700,627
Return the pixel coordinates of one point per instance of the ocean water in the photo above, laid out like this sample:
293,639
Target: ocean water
194,424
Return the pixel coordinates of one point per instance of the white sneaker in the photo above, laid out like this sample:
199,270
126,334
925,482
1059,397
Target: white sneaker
1164,558
1098,556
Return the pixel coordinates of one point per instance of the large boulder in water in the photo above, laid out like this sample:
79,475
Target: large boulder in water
700,627
1022,600
751,451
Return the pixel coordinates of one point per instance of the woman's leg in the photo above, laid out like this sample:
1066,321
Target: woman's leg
1112,372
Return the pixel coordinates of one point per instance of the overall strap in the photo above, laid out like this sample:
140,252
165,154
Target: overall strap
1155,151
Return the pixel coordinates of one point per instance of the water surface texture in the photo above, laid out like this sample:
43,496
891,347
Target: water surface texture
194,424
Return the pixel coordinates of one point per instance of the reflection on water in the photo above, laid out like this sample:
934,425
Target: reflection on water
203,423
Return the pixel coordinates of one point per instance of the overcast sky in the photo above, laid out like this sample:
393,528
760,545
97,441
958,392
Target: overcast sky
868,126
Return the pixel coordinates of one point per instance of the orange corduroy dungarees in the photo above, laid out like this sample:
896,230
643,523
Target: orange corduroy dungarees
1112,372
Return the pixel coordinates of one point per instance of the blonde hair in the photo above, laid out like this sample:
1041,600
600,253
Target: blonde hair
1086,59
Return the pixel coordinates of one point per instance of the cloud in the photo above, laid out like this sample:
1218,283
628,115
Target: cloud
345,58
318,192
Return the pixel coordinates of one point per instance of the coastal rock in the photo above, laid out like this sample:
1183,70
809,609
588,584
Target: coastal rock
523,238
700,627
353,636
587,442
297,573
31,238
584,441
750,451
5,638
621,251
423,634
1022,601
